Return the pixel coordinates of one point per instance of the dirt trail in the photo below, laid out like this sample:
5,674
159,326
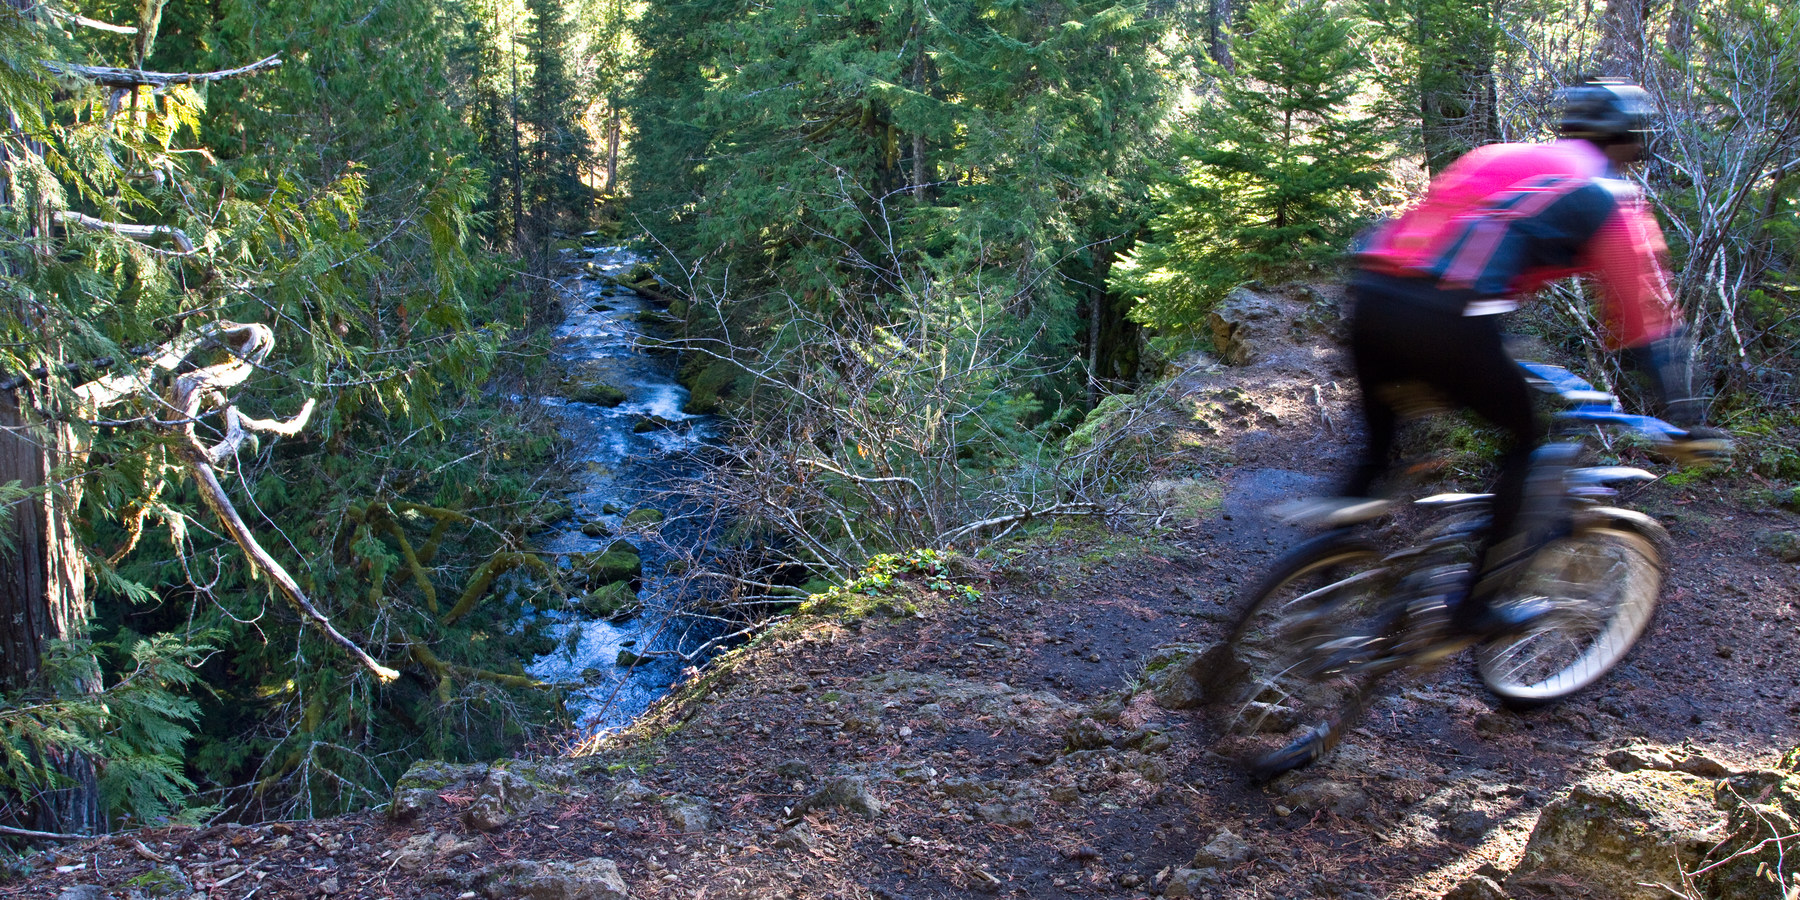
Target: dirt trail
1001,747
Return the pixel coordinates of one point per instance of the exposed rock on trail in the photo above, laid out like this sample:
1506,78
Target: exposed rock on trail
1048,740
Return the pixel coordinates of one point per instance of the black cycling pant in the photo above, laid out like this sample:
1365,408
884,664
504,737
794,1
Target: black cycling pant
1406,332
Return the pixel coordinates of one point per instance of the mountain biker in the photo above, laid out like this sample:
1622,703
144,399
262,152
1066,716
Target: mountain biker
1494,227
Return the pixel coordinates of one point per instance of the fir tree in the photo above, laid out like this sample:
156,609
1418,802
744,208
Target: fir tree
1272,168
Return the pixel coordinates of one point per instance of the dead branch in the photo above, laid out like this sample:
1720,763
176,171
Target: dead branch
247,345
85,22
1056,509
67,218
42,835
114,77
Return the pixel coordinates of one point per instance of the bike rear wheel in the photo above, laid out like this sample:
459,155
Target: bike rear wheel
1296,673
1604,584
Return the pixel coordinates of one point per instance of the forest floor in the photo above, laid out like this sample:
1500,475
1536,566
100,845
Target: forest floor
1003,746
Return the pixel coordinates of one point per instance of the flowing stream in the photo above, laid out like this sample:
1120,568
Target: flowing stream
623,467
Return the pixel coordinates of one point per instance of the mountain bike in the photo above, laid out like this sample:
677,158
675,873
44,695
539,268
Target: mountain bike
1338,613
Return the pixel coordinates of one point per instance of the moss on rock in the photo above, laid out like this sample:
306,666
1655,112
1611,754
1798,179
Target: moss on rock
597,394
615,602
609,566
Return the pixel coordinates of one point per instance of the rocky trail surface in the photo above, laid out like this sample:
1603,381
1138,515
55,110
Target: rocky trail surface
1037,743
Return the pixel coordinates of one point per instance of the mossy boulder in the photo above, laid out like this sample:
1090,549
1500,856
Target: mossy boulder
1784,545
641,518
1177,674
597,394
546,513
652,423
610,565
709,383
500,790
1624,832
418,789
615,602
595,529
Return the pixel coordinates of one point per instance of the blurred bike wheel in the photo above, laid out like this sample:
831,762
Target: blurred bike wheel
1604,583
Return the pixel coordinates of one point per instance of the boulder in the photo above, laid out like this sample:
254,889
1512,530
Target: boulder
615,602
609,566
1243,325
1762,815
502,789
844,792
1191,883
82,892
647,424
1477,887
432,849
1338,797
597,394
1621,831
689,815
418,789
1785,545
1177,674
639,518
593,878
1225,849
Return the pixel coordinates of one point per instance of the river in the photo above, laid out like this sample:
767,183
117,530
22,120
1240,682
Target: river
621,468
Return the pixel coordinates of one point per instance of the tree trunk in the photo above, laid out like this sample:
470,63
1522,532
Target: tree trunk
1218,33
42,593
614,128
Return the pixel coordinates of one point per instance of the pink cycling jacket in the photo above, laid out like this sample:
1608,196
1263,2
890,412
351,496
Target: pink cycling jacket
1507,219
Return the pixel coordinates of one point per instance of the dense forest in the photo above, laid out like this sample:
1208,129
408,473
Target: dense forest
279,279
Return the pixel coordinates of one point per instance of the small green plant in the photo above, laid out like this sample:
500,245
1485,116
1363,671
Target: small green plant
872,591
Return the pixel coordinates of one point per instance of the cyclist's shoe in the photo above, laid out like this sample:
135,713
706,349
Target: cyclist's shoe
1297,755
1330,512
1501,619
1700,447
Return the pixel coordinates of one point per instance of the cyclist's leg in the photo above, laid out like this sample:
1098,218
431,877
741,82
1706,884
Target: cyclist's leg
1371,332
1488,382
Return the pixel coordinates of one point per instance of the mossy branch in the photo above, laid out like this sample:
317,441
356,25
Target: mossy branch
445,518
443,671
483,579
419,576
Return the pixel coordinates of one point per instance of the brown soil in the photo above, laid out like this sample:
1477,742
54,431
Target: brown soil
1012,756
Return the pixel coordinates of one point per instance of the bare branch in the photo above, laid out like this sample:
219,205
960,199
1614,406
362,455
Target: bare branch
85,22
114,77
42,835
67,218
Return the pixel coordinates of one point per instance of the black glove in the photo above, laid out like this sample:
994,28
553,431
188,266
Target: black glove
1664,363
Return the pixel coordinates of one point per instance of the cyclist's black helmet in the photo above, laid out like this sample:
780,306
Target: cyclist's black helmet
1606,111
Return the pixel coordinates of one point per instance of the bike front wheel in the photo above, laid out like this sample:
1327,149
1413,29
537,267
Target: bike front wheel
1603,583
1294,673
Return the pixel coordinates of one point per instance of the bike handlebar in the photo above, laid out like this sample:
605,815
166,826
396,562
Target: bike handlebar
1594,407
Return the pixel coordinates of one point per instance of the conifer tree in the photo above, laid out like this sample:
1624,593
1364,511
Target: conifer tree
1272,169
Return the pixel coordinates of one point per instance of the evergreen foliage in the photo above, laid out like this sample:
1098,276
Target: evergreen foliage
1274,170
994,148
